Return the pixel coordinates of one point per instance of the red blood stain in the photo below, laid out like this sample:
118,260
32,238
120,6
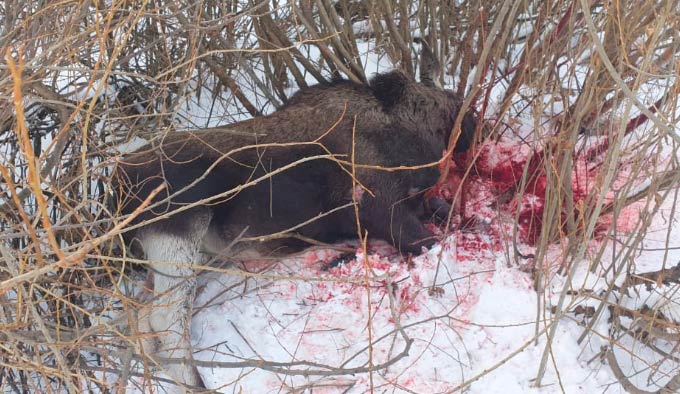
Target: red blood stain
408,382
493,185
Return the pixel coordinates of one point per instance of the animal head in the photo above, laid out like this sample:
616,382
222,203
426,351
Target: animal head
424,107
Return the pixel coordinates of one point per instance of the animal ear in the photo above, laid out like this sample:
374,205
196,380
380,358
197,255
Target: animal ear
429,67
389,88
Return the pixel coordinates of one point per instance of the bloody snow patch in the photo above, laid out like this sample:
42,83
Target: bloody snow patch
501,165
308,314
492,186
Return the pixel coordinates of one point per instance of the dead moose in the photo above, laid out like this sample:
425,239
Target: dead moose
302,187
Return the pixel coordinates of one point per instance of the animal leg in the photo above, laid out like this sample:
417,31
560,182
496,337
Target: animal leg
175,290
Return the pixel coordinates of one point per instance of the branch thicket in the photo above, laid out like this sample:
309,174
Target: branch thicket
82,81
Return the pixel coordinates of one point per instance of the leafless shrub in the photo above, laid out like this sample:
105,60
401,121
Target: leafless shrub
79,81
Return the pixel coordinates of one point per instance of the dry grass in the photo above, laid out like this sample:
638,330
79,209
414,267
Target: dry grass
78,79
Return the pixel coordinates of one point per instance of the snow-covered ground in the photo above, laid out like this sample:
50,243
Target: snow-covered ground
463,315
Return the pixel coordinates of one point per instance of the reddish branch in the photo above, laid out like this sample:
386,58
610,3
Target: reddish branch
630,127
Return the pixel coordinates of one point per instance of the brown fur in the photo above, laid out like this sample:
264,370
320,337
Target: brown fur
398,122
287,199
390,115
